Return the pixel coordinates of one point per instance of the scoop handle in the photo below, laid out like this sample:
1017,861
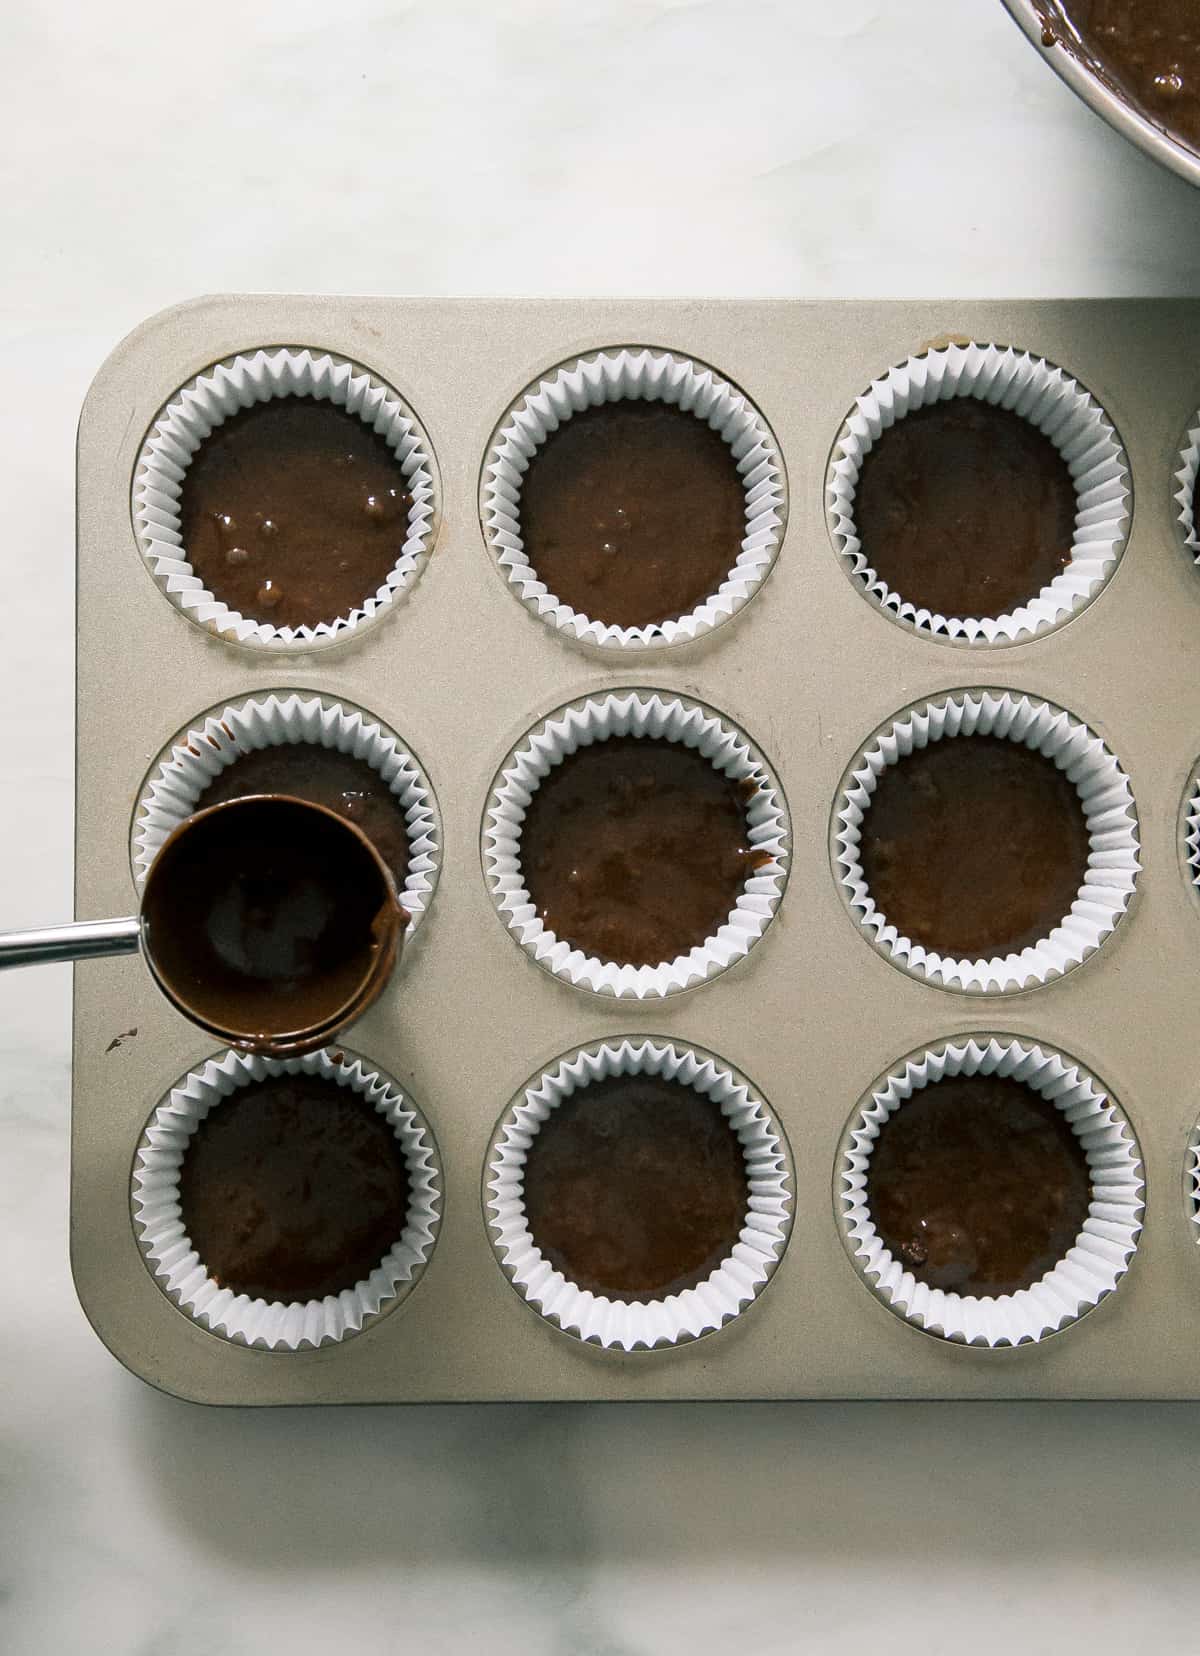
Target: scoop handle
81,940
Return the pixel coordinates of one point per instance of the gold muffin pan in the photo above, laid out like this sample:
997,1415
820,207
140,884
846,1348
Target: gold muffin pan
809,668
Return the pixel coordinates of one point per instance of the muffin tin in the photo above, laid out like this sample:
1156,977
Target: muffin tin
808,668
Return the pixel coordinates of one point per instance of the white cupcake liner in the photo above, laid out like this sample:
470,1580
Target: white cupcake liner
179,1270
1108,806
1191,824
1050,400
172,790
640,714
679,1317
1090,1269
650,376
208,400
1185,493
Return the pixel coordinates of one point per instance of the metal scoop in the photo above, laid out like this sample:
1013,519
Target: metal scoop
269,921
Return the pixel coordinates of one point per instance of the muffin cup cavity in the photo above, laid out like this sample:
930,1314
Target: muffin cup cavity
651,376
173,789
1090,1270
174,1262
205,403
1058,407
1108,807
681,1317
656,716
1187,470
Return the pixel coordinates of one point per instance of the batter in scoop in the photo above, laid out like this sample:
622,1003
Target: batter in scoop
326,777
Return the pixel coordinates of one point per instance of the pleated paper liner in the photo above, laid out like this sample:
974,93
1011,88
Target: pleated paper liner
618,375
240,382
182,1274
1192,1181
1191,828
1092,1267
677,1318
1056,405
1187,468
655,715
1105,795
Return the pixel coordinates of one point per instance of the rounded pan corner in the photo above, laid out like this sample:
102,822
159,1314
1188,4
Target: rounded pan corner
160,322
140,1363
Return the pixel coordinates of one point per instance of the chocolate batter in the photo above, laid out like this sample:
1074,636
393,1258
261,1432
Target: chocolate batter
293,512
292,1189
633,512
978,1185
974,846
339,781
1149,49
266,920
636,850
965,509
635,1188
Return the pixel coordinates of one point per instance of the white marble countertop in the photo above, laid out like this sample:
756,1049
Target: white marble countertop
743,147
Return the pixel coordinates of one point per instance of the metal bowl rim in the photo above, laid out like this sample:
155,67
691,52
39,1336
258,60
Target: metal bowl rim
1121,116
